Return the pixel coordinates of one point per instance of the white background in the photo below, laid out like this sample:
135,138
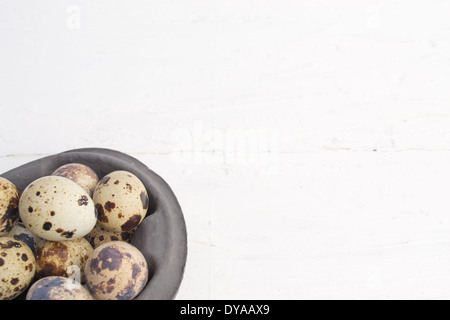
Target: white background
308,142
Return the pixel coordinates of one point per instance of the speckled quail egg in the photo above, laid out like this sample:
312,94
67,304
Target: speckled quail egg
62,258
121,201
58,288
82,174
116,271
9,202
22,233
57,209
17,267
100,235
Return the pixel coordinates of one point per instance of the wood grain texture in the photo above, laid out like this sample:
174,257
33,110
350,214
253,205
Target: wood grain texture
308,142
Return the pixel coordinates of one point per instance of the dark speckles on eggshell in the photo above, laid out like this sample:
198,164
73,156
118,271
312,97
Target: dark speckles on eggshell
43,291
83,201
128,293
68,234
124,200
136,270
9,244
110,286
171,219
131,223
95,265
27,239
144,200
15,259
47,226
68,289
68,210
109,206
109,279
48,269
110,258
11,215
55,258
9,201
101,213
125,235
58,249
105,180
79,173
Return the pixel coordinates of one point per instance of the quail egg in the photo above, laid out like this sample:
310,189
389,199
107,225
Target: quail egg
121,201
79,173
17,267
22,233
116,271
58,288
9,201
62,258
100,235
57,209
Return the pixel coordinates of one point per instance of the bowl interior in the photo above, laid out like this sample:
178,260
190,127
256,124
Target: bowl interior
161,237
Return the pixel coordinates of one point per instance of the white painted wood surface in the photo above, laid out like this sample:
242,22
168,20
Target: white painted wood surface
307,141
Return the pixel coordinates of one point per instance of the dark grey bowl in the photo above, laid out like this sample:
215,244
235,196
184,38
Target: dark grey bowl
161,236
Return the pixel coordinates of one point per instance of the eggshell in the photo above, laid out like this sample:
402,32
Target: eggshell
9,201
22,233
116,271
83,175
17,267
57,209
62,258
121,201
100,235
58,288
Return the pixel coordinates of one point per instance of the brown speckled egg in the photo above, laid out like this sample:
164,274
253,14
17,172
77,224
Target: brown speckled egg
57,209
17,267
58,288
121,201
22,233
100,235
116,271
79,173
9,202
62,258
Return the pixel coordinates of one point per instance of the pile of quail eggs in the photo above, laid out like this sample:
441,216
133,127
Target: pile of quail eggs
67,235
